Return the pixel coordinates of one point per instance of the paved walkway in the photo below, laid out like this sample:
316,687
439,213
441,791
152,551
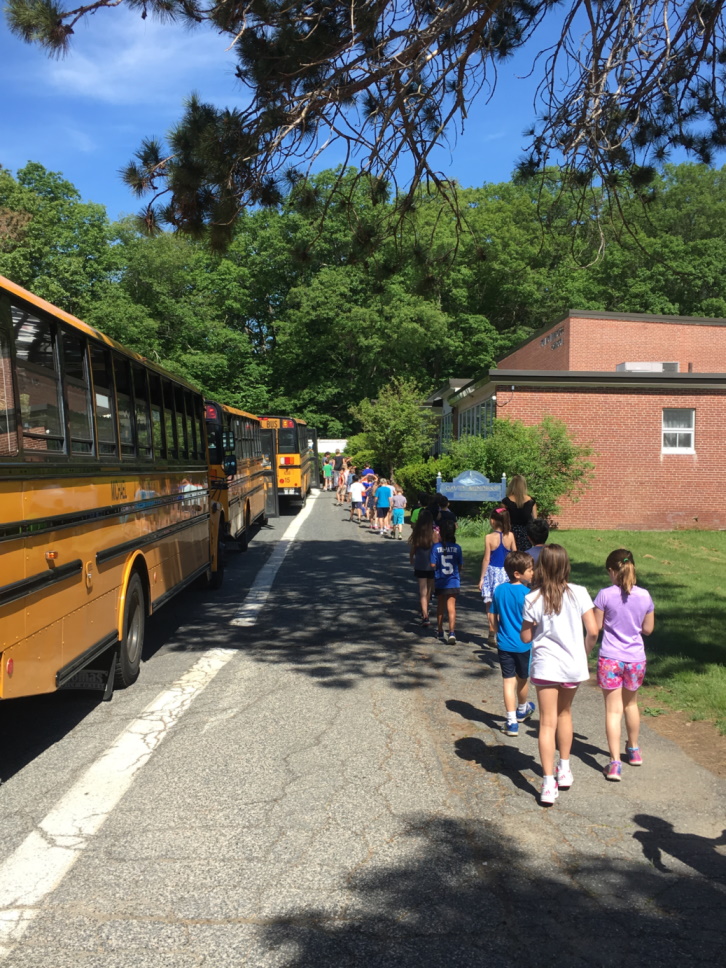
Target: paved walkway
342,795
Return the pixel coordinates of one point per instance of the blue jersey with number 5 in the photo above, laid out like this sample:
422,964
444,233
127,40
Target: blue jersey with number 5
447,561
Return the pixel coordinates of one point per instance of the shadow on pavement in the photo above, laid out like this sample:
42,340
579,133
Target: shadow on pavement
699,853
471,896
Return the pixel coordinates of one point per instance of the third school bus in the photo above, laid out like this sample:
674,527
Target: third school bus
104,506
295,470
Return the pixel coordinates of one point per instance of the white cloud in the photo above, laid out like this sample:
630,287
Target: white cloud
120,59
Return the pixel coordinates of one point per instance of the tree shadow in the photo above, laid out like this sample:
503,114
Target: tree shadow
466,893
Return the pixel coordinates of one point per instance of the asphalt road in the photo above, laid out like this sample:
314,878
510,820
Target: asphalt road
338,792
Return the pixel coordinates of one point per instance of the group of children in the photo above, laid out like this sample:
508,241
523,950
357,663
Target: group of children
545,627
372,499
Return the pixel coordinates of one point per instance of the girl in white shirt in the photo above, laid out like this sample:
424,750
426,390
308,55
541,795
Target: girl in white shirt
554,615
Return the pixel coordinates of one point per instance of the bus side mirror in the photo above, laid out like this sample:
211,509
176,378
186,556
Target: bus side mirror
230,466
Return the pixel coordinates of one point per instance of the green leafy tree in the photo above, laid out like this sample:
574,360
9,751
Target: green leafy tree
621,84
165,301
395,427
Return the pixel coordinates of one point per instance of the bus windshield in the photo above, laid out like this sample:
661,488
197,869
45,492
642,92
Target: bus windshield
287,440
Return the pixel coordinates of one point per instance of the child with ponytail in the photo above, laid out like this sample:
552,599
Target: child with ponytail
625,612
497,546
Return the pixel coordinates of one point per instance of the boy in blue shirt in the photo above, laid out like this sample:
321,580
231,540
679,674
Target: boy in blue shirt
505,619
447,562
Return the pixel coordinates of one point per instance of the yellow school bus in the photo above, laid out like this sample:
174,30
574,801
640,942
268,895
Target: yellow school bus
238,478
104,505
295,466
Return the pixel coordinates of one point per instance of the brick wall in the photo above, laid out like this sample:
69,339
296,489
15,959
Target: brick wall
600,344
550,351
580,343
635,486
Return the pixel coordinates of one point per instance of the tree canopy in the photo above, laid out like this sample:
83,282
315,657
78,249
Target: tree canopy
620,85
293,320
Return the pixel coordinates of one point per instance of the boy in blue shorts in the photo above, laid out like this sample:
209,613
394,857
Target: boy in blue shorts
505,619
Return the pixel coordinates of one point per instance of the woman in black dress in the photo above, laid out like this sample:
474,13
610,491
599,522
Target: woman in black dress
522,509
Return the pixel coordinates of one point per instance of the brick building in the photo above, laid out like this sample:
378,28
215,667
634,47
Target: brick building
648,393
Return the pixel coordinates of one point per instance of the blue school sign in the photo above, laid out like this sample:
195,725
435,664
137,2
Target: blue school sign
472,486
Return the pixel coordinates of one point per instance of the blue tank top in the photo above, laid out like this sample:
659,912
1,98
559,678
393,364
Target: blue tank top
496,559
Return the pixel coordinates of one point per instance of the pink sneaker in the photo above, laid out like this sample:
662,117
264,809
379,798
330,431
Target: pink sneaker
613,771
633,756
548,794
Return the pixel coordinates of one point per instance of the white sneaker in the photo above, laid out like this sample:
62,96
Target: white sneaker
564,777
548,794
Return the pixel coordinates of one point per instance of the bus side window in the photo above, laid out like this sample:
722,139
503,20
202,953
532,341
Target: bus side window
157,416
169,428
78,393
38,383
124,407
9,446
195,448
141,409
103,398
181,428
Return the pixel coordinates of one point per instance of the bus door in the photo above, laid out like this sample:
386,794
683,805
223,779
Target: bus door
313,441
269,459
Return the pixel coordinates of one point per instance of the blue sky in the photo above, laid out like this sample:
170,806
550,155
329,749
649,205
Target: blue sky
126,79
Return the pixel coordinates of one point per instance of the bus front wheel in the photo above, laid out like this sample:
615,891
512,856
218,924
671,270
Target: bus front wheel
132,643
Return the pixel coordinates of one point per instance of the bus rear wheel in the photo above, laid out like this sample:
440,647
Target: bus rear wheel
132,642
244,539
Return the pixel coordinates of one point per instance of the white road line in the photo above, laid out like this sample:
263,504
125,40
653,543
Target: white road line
262,585
44,858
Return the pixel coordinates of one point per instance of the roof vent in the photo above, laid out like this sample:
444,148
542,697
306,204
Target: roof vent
647,367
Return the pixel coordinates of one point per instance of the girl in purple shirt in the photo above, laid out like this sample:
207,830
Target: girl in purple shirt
625,613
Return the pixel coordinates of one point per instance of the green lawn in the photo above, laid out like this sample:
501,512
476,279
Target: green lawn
685,572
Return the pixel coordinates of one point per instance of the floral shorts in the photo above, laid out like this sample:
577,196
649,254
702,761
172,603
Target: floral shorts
612,674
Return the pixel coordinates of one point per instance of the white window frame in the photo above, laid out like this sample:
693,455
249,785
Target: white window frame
682,429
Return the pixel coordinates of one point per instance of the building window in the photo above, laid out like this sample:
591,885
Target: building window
678,431
478,420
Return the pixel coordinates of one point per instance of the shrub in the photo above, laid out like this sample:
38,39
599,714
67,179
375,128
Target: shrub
545,454
421,476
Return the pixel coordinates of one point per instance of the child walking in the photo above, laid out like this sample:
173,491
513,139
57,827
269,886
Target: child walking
625,612
398,504
554,614
505,619
327,474
447,561
420,543
497,546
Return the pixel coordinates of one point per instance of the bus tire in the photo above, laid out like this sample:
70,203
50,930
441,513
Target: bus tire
217,578
132,642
